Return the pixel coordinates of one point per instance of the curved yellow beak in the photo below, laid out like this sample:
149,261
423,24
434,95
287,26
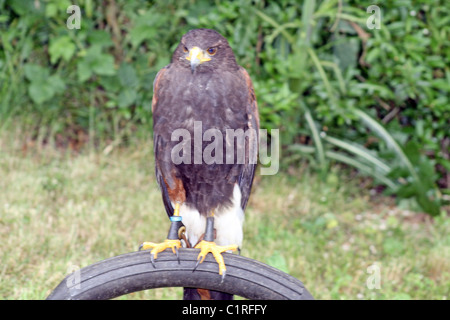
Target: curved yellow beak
196,56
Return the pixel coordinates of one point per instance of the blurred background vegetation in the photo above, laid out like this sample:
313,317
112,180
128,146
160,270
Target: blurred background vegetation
375,101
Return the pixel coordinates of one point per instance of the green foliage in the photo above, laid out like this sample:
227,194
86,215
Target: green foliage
42,87
346,75
375,100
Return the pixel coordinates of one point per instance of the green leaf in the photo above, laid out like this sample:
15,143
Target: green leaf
40,92
275,24
323,75
346,50
94,61
61,47
362,167
84,71
127,76
420,183
308,19
34,72
390,141
316,138
56,83
140,33
93,53
104,65
26,8
126,97
111,84
360,151
100,38
51,10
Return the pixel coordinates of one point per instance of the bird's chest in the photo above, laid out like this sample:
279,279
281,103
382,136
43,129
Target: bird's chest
216,102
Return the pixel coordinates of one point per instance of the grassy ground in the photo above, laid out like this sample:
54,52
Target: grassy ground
59,211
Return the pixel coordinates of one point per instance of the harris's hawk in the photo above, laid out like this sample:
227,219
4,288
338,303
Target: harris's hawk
203,88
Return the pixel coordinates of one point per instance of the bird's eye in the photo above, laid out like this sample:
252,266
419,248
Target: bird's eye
185,49
212,51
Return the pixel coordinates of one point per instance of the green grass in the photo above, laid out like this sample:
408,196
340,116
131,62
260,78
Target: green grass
59,210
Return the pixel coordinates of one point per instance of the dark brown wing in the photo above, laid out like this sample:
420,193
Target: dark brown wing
248,169
156,84
158,147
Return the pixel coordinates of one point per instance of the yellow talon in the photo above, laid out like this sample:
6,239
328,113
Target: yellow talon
160,247
209,246
176,229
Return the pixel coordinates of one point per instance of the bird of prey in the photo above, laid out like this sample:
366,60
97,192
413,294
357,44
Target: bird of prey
204,89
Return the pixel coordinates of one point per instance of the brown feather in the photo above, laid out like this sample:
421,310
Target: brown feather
156,83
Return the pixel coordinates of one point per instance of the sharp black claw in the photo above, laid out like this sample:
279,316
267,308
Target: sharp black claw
153,260
196,265
239,251
141,246
224,273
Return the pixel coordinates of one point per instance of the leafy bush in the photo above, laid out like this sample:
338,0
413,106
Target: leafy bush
374,99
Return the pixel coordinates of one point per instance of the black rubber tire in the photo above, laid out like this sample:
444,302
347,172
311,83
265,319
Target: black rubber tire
134,272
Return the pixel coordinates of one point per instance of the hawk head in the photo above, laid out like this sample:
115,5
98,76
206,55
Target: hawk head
204,50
